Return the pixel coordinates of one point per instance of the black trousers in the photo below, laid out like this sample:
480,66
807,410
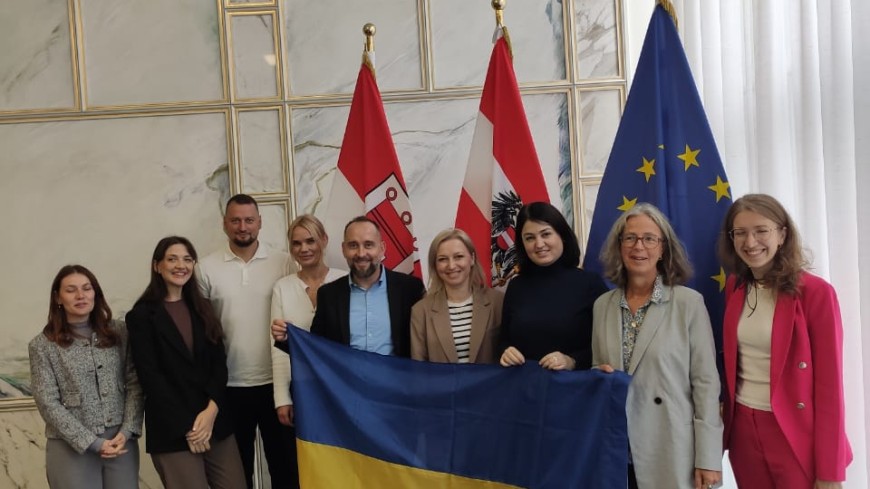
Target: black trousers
253,407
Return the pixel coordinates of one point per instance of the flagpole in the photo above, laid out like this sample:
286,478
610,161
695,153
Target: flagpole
369,50
498,6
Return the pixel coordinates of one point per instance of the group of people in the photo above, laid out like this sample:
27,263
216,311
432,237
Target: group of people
196,357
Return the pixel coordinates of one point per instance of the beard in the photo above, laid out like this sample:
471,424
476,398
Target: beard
244,243
365,272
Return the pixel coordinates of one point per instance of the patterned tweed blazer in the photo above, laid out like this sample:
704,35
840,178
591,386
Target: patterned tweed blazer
82,390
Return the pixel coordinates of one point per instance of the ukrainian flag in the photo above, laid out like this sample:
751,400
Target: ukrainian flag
370,421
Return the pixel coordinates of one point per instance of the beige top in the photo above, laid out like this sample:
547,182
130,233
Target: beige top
753,348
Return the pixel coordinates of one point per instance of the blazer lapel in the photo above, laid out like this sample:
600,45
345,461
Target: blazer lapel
655,316
480,313
783,329
443,329
613,332
342,311
733,310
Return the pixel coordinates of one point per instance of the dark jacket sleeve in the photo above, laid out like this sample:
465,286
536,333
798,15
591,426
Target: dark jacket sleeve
216,385
320,322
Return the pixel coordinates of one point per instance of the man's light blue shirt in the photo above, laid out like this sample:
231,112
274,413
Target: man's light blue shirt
370,316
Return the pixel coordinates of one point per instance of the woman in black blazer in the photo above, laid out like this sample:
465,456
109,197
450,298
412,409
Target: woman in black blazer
176,341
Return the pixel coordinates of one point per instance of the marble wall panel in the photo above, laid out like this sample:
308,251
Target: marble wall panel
152,52
260,151
462,34
600,112
548,121
432,140
22,450
22,453
102,192
36,65
597,39
589,197
324,44
253,39
276,218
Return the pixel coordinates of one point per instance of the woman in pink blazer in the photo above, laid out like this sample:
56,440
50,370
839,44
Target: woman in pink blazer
783,342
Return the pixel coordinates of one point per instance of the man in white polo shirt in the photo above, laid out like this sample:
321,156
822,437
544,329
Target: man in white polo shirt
238,281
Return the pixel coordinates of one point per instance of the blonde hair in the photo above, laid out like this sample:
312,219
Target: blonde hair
436,285
311,224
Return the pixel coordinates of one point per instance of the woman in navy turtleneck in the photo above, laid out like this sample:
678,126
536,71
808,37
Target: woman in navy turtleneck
547,315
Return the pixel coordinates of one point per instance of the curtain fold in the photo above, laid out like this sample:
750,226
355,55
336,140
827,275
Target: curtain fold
783,83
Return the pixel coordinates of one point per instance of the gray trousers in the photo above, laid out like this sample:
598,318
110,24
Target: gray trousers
68,469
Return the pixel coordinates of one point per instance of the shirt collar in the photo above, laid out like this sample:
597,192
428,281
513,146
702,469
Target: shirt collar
382,278
260,253
657,296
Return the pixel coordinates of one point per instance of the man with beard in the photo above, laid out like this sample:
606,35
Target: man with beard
238,281
371,309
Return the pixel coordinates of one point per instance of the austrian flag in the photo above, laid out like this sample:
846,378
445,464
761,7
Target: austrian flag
368,178
503,170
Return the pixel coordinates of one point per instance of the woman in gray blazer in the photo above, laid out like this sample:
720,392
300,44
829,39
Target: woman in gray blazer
658,331
86,388
459,319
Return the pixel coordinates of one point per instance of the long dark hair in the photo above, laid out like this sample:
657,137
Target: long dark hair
157,291
58,329
545,213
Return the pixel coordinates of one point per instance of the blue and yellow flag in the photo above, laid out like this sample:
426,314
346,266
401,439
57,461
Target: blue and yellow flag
664,154
370,421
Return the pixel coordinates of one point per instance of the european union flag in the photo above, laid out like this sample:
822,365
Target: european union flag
664,154
371,421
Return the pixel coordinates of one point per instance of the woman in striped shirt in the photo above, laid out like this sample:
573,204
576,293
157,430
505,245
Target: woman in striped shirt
459,319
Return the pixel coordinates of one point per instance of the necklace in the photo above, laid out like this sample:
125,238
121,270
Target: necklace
754,304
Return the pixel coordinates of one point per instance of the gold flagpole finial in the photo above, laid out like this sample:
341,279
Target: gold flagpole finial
669,8
369,52
369,30
498,5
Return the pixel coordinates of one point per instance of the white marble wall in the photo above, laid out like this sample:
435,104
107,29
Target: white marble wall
122,122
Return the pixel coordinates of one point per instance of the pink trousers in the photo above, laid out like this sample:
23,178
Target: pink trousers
760,454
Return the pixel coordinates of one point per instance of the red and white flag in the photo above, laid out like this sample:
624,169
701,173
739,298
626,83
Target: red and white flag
503,169
368,179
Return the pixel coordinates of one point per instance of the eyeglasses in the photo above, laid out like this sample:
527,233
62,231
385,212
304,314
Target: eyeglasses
648,240
761,233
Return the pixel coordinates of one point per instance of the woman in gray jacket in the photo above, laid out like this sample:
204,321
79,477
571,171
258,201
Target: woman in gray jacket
86,388
658,331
